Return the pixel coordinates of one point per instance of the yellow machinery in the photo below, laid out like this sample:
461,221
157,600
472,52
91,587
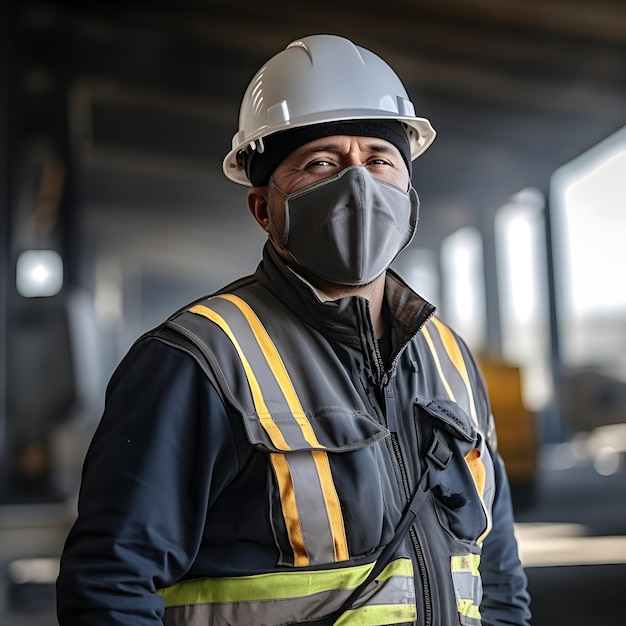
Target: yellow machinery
515,426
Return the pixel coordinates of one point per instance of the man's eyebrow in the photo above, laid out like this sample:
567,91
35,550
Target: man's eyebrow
309,151
384,148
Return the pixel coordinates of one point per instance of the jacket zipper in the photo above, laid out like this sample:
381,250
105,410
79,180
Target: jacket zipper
414,539
385,377
421,562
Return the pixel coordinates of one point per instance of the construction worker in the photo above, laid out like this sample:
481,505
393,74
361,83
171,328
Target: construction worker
310,444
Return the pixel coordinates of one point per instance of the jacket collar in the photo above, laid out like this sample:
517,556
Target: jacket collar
346,319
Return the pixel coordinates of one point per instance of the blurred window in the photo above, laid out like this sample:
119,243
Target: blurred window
523,293
589,216
463,285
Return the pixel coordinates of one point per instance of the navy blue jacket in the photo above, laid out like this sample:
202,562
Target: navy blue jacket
173,490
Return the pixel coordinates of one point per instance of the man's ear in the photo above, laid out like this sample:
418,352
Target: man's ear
257,204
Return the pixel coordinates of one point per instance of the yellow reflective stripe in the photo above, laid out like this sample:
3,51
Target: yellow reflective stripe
275,362
333,507
275,586
454,352
433,350
283,475
479,474
290,509
477,468
265,416
465,563
277,366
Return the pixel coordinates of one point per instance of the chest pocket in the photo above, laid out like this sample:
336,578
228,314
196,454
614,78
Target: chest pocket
314,464
459,468
466,486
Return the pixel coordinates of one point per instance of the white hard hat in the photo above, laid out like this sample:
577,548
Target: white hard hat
318,79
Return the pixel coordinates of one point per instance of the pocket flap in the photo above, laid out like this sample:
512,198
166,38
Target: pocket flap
451,417
333,429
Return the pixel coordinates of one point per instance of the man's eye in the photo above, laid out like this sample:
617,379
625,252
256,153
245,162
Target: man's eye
378,162
318,163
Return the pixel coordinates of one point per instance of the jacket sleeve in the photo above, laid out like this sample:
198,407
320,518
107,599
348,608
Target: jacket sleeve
506,600
505,596
162,452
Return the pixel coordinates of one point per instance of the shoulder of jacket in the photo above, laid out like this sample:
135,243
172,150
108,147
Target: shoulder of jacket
454,358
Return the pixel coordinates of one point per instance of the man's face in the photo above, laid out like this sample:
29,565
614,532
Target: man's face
325,157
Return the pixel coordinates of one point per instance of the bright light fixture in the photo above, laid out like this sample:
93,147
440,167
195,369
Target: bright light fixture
39,273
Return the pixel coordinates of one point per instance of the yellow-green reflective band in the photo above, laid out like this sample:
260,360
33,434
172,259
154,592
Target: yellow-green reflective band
379,615
468,608
467,584
465,563
276,585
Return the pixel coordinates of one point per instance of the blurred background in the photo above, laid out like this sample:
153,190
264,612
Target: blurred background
114,119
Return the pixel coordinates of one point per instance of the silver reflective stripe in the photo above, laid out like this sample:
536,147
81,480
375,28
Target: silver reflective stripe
316,531
282,598
309,500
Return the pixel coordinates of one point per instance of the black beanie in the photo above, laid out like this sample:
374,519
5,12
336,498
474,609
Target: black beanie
261,165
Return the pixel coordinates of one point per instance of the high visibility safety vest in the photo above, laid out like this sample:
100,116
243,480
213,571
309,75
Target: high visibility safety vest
283,416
